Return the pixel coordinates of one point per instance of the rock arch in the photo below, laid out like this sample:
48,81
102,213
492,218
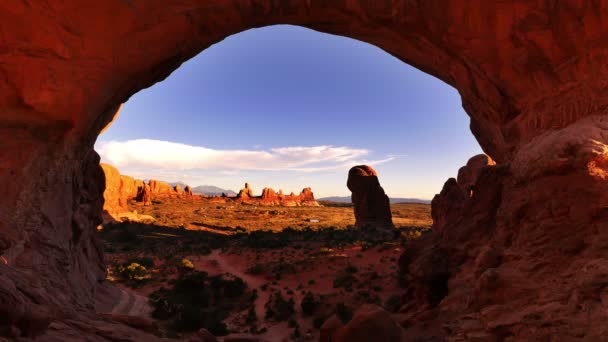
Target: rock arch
532,76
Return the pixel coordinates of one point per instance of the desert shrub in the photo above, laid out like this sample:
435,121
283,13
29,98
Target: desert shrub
252,316
279,309
351,269
133,271
283,268
309,304
345,280
186,265
197,301
344,313
256,269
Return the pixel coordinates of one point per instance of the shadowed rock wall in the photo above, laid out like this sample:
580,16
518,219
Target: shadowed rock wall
532,76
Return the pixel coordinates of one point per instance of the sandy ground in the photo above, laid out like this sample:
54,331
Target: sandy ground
376,262
183,229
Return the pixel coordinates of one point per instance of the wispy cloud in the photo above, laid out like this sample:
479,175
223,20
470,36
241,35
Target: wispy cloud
166,155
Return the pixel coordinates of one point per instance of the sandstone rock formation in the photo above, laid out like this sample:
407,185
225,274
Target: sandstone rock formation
113,203
245,192
531,74
370,323
371,204
178,189
187,190
271,198
160,187
121,188
145,195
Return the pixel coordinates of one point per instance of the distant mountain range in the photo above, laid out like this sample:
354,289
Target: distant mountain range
212,190
346,199
208,190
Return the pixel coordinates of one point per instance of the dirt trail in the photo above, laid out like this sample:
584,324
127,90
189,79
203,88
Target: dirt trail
119,301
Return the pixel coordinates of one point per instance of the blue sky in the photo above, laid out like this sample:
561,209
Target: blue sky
288,107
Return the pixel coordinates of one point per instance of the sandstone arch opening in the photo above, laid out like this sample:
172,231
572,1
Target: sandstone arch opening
531,76
308,107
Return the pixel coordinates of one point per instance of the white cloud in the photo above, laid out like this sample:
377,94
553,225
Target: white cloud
166,155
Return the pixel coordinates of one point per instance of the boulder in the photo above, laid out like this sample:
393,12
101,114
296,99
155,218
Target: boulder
369,323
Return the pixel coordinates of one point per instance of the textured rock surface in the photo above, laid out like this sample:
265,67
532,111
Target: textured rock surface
160,187
271,198
532,76
369,323
371,204
113,203
245,192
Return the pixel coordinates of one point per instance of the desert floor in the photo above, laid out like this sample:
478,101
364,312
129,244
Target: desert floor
281,270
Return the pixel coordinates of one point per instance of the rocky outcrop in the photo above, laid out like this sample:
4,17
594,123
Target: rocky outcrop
178,189
112,201
187,190
245,192
118,190
121,188
371,204
145,195
369,323
271,198
532,77
160,187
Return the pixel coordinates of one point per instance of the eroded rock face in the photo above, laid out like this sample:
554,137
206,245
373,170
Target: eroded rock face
271,198
517,258
245,192
371,204
369,323
532,76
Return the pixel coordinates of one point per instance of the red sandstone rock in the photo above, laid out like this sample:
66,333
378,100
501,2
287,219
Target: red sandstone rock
178,189
145,195
370,203
532,76
160,187
187,190
113,203
307,195
370,323
203,335
269,196
246,192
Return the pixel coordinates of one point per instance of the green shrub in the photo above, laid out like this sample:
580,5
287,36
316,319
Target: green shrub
252,316
279,309
186,264
197,301
134,271
256,269
345,280
309,304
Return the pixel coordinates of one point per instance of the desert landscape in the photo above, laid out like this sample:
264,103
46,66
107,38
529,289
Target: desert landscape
513,246
283,267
